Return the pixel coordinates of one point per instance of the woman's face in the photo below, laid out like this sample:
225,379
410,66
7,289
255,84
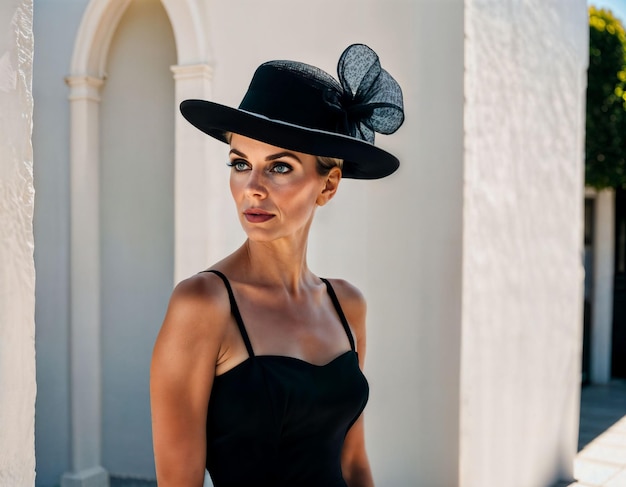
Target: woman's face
275,190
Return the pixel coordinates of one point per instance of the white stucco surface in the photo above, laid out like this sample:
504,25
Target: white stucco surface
522,246
17,272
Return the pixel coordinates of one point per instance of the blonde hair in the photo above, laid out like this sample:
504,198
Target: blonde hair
325,164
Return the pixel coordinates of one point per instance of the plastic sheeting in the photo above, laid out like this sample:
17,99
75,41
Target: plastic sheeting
17,271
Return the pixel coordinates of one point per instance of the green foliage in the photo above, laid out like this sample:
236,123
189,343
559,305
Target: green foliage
605,145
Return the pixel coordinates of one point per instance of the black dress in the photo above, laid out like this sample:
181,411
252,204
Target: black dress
280,421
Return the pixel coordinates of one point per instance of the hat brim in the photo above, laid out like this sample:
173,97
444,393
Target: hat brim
361,160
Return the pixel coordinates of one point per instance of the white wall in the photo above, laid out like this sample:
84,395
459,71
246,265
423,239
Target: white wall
397,239
522,249
17,272
137,227
55,25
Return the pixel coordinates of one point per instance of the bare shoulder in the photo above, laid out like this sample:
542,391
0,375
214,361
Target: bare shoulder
347,292
352,302
198,309
201,291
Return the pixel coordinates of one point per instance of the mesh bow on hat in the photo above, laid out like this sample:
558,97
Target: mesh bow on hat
302,108
371,100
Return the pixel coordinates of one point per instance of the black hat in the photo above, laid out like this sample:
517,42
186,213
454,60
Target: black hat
302,108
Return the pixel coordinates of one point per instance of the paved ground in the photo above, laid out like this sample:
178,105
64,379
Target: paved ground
601,459
128,482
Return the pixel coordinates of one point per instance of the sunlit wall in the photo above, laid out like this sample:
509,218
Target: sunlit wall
17,273
525,82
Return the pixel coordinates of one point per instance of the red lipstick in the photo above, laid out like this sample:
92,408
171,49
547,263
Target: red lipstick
256,215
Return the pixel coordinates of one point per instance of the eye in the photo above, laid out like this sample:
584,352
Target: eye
281,168
238,165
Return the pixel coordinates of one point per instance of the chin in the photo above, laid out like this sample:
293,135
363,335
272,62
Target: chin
259,234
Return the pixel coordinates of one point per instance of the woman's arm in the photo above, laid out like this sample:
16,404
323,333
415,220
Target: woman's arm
181,376
354,462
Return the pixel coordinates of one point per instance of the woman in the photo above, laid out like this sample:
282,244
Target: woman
256,372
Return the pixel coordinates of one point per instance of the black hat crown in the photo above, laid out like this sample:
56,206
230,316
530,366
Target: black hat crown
300,107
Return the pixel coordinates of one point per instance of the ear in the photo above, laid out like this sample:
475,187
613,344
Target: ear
331,183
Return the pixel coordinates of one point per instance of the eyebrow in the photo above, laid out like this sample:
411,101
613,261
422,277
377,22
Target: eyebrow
271,157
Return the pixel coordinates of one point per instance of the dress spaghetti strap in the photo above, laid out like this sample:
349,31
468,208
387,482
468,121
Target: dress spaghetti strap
234,309
342,317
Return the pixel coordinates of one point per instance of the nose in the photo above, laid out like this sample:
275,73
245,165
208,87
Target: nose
255,185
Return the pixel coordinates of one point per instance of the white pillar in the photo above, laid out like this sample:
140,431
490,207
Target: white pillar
602,293
523,200
17,272
199,188
85,360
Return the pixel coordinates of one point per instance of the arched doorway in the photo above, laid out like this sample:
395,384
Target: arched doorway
104,226
136,226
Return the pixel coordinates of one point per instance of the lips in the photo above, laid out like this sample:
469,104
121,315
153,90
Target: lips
256,215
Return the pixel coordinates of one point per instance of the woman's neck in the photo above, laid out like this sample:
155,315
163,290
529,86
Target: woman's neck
279,263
